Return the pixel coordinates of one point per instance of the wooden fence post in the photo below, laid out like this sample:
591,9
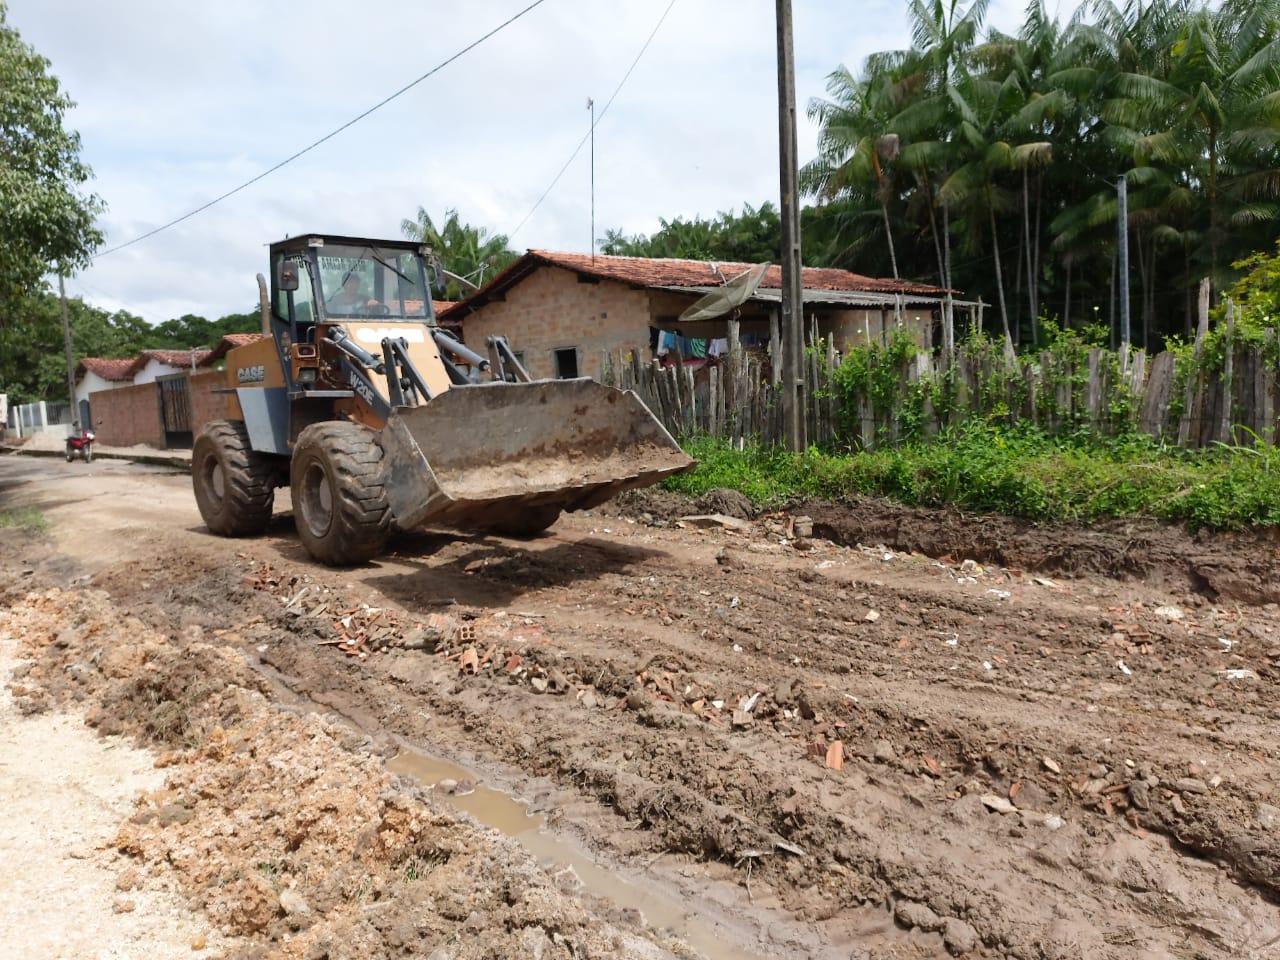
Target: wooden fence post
775,349
948,332
1154,406
1228,368
1192,397
1094,389
1267,389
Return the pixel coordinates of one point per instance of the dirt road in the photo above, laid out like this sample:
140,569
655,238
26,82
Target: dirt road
773,744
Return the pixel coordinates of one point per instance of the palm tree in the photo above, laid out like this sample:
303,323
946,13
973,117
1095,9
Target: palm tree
964,139
984,106
855,148
1207,112
467,251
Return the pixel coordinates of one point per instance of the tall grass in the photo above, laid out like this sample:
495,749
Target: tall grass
27,519
1019,471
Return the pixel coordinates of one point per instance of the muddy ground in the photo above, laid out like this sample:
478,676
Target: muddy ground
819,743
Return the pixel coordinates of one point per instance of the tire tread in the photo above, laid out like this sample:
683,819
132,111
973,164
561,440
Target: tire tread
362,516
249,479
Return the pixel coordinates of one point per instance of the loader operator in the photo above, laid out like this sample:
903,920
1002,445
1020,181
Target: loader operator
351,298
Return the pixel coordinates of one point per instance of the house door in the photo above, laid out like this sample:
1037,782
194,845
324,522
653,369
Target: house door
175,410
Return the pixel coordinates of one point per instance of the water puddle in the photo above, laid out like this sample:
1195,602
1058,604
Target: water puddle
510,816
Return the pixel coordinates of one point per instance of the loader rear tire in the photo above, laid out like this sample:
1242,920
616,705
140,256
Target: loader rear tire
234,484
339,497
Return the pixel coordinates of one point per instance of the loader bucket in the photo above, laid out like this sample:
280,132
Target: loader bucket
485,454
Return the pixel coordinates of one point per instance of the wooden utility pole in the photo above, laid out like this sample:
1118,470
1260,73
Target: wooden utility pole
792,278
66,346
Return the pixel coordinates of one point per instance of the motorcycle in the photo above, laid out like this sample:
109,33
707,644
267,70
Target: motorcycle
81,445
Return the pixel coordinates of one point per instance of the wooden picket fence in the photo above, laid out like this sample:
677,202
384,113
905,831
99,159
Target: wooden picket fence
1106,391
736,398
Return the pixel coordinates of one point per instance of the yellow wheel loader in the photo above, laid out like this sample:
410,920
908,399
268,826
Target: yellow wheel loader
377,418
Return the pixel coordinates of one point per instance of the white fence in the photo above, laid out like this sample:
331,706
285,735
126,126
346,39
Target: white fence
28,419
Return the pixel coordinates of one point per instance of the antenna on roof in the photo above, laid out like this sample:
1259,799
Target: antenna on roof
591,105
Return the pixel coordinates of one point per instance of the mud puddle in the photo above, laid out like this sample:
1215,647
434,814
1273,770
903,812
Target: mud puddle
693,922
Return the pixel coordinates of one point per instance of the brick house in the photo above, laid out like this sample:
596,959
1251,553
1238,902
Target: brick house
561,311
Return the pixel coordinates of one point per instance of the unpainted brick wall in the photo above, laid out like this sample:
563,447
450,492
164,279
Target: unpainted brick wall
127,416
205,404
552,310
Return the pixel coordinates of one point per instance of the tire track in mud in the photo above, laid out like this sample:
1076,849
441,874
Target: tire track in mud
886,829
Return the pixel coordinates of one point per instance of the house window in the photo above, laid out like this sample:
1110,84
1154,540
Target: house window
566,361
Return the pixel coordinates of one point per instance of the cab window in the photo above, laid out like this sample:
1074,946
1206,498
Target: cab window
301,296
372,282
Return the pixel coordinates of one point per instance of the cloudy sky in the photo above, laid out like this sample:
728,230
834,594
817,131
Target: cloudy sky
179,102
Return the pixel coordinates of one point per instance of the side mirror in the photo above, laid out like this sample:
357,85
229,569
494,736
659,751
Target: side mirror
287,275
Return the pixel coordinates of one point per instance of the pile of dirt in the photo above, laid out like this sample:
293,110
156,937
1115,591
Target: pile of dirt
1242,566
284,828
1237,566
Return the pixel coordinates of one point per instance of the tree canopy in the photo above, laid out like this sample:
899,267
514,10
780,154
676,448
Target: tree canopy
46,217
989,161
750,237
32,366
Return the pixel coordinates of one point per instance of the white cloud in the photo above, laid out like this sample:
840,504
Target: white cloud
179,102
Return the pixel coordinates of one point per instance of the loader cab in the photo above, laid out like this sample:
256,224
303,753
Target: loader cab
366,294
344,279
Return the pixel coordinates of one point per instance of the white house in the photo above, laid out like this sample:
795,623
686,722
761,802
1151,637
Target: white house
97,373
160,363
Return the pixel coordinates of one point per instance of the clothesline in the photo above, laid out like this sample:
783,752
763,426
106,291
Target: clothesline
692,348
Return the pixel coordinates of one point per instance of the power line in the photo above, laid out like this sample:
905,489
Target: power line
581,143
328,136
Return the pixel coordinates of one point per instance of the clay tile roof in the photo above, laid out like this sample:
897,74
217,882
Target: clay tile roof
177,358
654,272
228,343
241,339
658,272
114,371
440,307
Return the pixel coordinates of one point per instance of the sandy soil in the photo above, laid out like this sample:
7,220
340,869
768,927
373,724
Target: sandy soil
845,748
65,791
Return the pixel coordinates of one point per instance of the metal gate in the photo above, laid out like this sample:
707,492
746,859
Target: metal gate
175,409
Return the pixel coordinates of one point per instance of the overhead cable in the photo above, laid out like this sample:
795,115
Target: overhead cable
328,136
587,136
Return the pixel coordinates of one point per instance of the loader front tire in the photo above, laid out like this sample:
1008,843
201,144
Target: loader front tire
339,497
234,484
